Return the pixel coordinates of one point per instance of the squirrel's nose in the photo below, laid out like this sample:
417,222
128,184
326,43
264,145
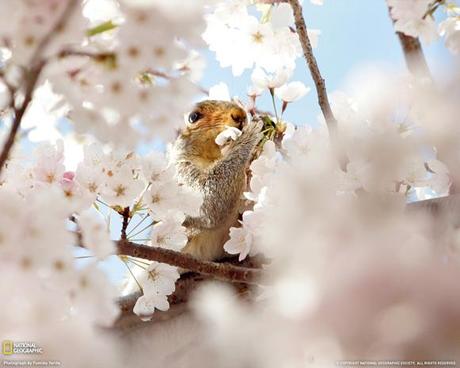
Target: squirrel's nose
239,120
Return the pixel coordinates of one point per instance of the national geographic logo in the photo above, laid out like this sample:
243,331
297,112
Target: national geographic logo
10,347
7,347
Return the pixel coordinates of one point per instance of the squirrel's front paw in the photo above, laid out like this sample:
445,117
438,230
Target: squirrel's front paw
253,130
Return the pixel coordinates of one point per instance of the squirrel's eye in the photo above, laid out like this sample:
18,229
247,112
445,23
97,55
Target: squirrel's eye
194,117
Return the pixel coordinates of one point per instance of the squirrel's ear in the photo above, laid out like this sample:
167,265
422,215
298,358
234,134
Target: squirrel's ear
239,103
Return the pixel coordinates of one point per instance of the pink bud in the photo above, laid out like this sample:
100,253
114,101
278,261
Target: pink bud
69,175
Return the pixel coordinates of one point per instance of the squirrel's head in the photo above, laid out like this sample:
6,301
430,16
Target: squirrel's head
206,120
215,115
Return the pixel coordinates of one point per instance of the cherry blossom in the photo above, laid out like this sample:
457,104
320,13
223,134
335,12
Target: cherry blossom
303,141
157,283
292,91
193,66
49,163
169,233
219,92
155,167
117,191
113,176
450,29
440,179
162,200
32,20
239,243
410,18
43,114
146,305
91,285
230,133
270,81
263,169
166,198
241,40
95,234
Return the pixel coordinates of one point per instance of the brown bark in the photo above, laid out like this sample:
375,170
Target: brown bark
413,53
221,271
320,83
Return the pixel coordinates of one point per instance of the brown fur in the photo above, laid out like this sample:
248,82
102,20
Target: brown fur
219,174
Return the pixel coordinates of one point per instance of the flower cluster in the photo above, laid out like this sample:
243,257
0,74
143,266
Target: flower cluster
31,21
157,282
415,18
116,180
43,284
244,41
126,76
384,156
348,258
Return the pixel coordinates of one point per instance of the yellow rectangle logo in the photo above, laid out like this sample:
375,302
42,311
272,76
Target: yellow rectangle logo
7,347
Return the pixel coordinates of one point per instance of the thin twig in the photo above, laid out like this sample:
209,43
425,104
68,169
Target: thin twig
319,81
59,25
141,231
313,66
124,226
31,82
138,224
220,271
160,74
99,56
11,91
432,8
133,276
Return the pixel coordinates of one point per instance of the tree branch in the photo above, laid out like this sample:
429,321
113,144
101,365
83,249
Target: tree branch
417,65
11,92
124,226
313,66
248,272
413,53
319,81
183,290
59,25
225,272
31,79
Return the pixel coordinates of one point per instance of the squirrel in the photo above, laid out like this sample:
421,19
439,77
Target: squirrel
219,173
